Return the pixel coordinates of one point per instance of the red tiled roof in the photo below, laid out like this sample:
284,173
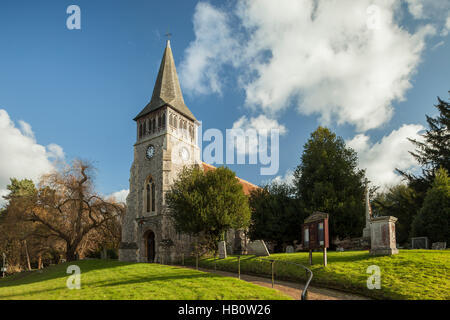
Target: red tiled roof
247,187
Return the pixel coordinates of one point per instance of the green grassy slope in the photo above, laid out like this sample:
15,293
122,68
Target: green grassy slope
412,274
102,279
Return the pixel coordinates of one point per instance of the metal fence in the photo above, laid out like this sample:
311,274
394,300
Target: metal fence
273,263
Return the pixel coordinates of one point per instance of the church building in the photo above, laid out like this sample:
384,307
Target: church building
166,141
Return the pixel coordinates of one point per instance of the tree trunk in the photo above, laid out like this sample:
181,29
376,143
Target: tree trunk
27,254
70,253
40,261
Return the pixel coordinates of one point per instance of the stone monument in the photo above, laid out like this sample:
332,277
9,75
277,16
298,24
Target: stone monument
419,243
382,236
258,248
222,250
366,230
439,245
290,249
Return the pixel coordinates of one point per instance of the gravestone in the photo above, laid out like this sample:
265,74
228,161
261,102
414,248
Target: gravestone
103,254
222,250
382,236
419,243
439,245
258,248
289,249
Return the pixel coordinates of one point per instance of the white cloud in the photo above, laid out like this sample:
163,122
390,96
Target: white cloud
415,7
446,28
331,58
288,178
20,155
120,196
382,158
261,126
214,46
428,9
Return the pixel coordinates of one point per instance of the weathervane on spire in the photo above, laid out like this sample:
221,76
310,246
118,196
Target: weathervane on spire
168,35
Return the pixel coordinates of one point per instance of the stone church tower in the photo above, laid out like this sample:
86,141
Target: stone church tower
166,141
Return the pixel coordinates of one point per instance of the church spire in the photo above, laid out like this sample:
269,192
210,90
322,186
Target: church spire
167,90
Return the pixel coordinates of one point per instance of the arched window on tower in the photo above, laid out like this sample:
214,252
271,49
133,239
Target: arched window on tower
144,130
153,197
140,131
159,122
150,196
150,125
164,120
147,196
154,124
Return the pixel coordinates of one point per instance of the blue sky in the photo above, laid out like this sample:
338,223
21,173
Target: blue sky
80,89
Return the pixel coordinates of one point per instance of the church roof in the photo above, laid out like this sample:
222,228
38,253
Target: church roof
167,90
247,187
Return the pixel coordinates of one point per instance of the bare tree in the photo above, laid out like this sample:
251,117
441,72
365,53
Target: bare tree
67,207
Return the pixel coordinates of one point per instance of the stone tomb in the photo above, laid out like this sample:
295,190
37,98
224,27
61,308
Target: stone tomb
222,250
382,236
419,243
439,245
289,249
258,248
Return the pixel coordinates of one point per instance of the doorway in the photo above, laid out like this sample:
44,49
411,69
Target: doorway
150,245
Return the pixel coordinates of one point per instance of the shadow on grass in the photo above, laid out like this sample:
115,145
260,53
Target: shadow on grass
108,283
157,278
58,271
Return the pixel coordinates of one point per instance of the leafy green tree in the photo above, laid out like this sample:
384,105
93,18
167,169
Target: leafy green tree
208,204
16,235
433,220
19,188
329,180
397,201
277,215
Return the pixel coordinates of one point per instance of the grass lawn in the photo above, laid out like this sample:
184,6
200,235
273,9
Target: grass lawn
412,274
106,279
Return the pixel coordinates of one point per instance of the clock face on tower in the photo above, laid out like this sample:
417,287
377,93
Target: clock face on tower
150,152
184,154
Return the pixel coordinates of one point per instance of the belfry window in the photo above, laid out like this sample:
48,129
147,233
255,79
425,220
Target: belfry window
140,130
154,125
164,120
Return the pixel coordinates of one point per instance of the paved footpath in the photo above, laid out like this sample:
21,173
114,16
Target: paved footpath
291,288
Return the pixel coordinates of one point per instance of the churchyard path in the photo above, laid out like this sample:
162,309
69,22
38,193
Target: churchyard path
292,289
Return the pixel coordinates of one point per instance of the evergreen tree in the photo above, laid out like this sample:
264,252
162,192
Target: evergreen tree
433,152
329,180
433,220
277,215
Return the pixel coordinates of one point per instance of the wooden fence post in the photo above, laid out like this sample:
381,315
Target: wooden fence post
273,273
196,261
239,267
